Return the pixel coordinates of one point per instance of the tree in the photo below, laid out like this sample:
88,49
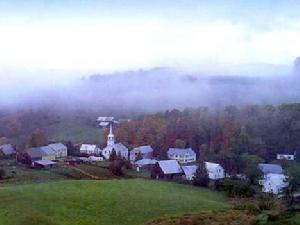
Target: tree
37,139
72,150
179,143
113,156
156,172
201,176
249,166
2,174
116,167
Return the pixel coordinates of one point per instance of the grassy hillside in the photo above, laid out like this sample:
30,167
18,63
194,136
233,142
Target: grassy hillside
104,202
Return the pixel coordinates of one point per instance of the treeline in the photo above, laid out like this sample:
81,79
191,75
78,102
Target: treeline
261,130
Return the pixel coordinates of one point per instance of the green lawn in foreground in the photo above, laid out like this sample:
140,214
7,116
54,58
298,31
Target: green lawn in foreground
102,202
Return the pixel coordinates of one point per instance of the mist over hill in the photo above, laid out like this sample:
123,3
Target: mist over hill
151,90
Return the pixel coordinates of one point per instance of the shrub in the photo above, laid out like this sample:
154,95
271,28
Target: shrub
2,174
235,188
201,176
266,202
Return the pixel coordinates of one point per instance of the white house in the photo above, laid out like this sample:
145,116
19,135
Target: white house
189,171
145,151
182,155
286,155
273,180
89,149
95,159
215,171
267,168
60,150
274,183
120,149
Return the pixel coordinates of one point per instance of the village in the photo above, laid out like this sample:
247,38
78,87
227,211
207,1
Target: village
181,165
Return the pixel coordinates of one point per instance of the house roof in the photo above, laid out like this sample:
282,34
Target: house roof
48,150
57,146
7,149
35,152
45,162
144,162
170,166
270,168
103,124
143,149
212,166
119,147
105,118
189,170
87,147
287,152
181,151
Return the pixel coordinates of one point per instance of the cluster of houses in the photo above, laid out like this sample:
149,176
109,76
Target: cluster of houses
181,161
45,156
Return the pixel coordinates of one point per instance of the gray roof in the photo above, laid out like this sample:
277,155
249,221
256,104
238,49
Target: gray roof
189,170
45,162
48,150
270,168
119,147
35,152
144,162
145,149
170,166
105,119
181,151
7,149
39,152
57,146
287,152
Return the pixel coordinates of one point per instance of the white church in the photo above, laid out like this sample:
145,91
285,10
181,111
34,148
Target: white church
120,149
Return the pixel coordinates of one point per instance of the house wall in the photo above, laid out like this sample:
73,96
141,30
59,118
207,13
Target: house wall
49,157
183,158
106,152
286,157
60,153
217,173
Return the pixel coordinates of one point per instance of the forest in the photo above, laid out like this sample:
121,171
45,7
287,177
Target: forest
231,134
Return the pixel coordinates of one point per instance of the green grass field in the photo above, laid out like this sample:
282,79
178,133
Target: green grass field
105,202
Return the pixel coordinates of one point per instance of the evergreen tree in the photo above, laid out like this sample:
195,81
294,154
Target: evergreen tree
2,174
113,156
201,176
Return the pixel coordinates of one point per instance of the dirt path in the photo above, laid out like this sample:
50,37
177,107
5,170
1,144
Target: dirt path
82,171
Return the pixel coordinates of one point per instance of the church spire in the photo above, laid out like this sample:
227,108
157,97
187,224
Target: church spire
110,137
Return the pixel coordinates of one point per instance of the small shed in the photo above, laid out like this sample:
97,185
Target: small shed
44,164
166,169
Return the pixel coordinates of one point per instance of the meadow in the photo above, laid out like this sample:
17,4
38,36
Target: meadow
102,202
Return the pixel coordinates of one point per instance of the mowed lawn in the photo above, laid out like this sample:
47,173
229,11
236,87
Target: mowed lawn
101,202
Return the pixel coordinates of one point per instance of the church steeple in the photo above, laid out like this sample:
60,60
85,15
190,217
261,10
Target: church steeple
110,137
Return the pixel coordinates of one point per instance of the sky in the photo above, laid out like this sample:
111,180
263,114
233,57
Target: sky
119,35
